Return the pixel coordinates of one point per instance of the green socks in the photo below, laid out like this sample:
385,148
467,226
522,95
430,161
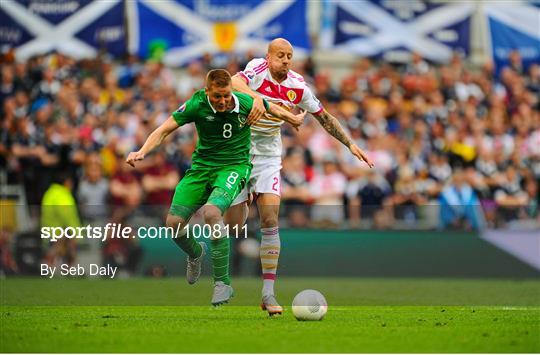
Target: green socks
189,246
220,254
220,259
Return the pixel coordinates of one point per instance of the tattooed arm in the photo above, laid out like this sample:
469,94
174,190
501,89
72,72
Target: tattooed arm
332,126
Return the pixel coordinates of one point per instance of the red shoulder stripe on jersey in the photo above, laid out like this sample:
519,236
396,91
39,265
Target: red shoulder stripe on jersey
260,65
261,69
297,77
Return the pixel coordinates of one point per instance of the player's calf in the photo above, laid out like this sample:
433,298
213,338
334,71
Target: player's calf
194,265
195,251
219,242
180,237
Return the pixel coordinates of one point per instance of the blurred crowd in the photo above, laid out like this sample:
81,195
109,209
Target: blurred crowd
440,135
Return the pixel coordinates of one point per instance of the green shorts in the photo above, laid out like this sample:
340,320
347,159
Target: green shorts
218,186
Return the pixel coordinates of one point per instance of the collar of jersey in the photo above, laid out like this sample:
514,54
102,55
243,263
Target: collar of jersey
275,81
236,104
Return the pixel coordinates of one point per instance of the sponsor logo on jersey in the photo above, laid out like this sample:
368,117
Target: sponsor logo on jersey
181,108
291,95
210,118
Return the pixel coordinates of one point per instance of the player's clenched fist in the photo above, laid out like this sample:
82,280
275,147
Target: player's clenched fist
133,157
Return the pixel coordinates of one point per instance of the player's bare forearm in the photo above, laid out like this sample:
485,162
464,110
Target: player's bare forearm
333,127
158,135
239,84
153,141
285,115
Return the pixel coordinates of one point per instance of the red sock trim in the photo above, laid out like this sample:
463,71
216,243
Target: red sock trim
269,276
270,231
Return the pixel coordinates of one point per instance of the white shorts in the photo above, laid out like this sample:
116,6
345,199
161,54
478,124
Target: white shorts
265,178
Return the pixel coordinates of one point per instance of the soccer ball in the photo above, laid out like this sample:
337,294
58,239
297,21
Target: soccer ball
309,305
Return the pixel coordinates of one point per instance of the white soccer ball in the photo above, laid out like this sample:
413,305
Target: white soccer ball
309,305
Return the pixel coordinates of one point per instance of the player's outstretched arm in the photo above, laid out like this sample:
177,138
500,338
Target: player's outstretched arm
332,126
258,109
279,112
154,139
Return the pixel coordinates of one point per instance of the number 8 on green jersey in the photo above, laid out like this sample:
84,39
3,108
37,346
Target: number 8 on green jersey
221,158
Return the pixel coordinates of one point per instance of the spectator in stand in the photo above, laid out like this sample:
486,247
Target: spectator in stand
531,209
295,179
111,95
7,85
37,156
324,90
125,190
93,191
191,81
515,62
295,194
127,71
158,182
126,194
439,169
366,198
48,87
459,205
328,189
509,195
59,209
406,197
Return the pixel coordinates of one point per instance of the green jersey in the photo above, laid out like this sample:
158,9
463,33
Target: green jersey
224,137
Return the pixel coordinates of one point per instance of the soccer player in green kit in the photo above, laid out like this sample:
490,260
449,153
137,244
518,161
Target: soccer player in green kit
220,168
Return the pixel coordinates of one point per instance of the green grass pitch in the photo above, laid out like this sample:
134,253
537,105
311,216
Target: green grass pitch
365,315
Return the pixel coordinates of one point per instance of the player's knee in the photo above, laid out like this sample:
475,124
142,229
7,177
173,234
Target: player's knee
218,202
269,220
173,221
211,214
236,215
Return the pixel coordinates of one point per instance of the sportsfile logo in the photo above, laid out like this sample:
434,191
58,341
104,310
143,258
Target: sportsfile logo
120,231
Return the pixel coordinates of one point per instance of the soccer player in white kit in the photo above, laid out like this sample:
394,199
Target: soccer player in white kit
271,78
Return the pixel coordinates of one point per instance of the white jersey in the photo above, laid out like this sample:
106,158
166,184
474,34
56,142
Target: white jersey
293,91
